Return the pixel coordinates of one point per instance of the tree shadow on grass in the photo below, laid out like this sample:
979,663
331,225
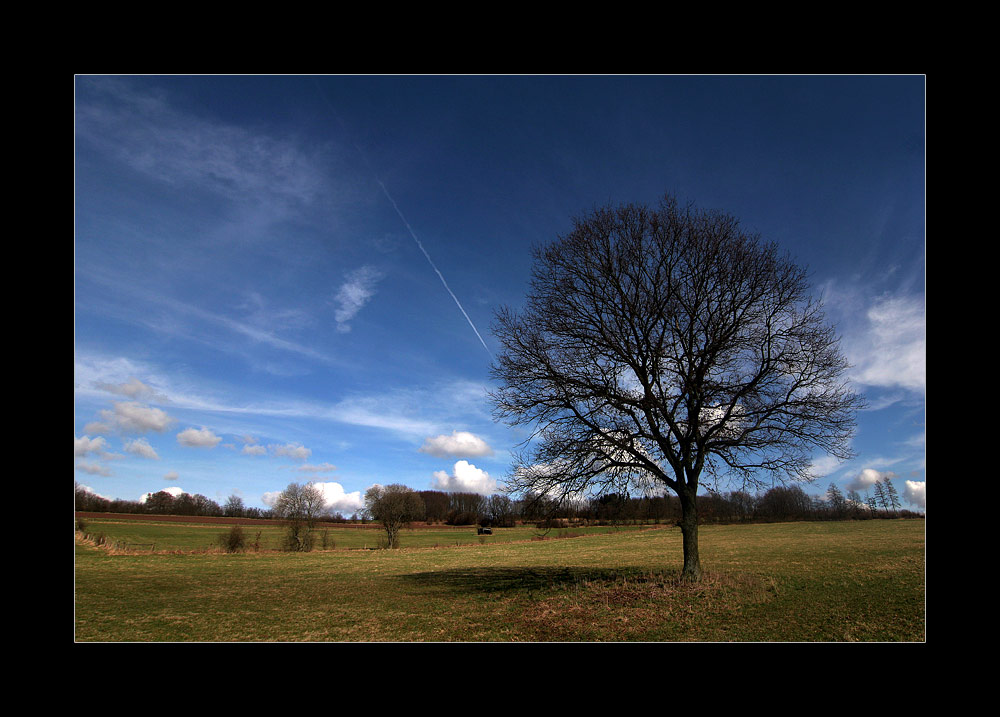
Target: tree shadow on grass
529,579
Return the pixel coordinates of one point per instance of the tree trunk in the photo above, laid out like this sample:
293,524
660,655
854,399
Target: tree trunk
689,532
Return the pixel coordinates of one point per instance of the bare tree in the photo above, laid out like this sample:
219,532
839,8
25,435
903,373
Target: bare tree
666,347
881,497
891,496
872,505
394,506
300,506
234,507
854,502
499,510
836,499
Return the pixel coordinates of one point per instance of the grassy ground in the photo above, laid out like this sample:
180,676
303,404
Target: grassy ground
164,536
836,581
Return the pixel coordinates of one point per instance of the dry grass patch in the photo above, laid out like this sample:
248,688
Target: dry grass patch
643,607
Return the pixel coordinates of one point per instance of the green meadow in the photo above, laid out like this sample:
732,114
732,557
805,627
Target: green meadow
850,581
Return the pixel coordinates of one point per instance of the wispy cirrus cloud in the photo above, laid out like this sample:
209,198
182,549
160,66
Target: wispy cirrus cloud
145,131
891,350
356,291
411,413
138,310
883,337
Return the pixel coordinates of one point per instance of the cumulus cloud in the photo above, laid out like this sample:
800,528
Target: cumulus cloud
915,493
254,450
172,490
91,491
133,388
198,438
171,475
465,478
459,443
338,501
866,479
354,293
131,417
86,444
141,447
291,450
93,468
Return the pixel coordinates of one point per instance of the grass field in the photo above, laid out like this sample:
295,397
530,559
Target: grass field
787,582
164,536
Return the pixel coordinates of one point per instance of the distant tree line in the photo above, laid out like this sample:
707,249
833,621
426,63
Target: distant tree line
164,503
780,503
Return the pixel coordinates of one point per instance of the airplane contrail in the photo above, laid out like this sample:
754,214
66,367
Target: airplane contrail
433,266
406,223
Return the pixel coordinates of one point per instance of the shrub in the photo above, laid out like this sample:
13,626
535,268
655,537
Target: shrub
298,538
233,540
328,542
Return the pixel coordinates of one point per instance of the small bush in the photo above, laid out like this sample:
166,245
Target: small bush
81,525
298,538
328,542
234,540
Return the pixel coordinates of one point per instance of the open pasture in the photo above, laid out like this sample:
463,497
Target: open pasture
823,582
175,535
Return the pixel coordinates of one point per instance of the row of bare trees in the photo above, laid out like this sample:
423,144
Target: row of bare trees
780,503
776,504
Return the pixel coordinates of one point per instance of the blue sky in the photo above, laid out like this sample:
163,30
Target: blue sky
286,278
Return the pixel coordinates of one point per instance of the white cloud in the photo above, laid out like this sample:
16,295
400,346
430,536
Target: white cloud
915,493
291,450
141,447
254,450
147,133
353,294
93,468
86,444
465,478
382,413
133,388
198,438
171,475
459,443
339,501
889,350
173,490
824,466
866,479
88,489
132,417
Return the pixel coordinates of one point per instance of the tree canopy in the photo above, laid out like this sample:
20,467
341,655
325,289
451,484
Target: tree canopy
662,347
